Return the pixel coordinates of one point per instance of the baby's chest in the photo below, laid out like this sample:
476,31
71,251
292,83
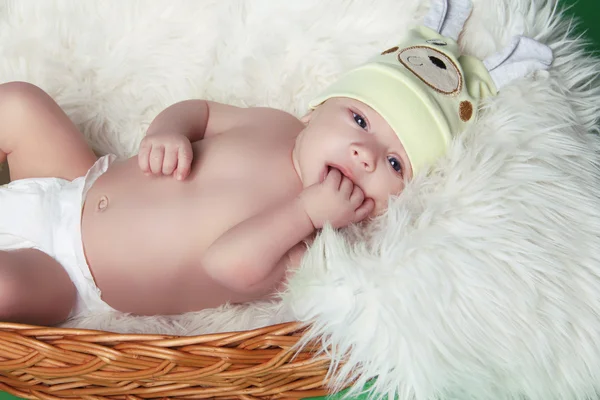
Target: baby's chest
232,184
256,165
232,197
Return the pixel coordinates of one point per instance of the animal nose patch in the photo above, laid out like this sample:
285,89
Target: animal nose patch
437,62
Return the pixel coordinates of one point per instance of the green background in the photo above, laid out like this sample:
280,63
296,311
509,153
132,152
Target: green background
588,12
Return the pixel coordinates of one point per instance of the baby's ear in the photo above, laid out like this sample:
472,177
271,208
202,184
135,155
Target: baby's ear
305,119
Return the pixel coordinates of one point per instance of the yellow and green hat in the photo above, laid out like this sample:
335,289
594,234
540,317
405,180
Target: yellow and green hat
423,88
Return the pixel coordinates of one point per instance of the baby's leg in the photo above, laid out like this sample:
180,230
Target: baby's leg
37,137
34,288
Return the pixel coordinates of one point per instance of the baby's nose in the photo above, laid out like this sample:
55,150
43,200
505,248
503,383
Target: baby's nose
364,156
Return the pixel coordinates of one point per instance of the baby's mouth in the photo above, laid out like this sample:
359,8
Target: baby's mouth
324,173
329,167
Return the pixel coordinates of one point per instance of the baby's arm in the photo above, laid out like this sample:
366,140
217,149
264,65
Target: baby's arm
248,257
167,147
196,119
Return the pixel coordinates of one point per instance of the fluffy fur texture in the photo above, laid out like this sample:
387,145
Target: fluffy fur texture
482,280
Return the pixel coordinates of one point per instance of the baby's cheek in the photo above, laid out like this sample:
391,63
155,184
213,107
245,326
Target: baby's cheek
380,207
382,201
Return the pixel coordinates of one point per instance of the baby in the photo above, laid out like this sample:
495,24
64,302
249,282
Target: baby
219,202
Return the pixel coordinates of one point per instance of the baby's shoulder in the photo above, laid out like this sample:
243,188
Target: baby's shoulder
277,125
224,117
272,115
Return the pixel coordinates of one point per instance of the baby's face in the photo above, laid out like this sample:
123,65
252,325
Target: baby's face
349,135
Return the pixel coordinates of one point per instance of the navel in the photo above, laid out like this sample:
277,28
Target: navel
102,204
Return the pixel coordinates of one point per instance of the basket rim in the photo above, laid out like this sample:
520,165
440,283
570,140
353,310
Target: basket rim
45,362
166,340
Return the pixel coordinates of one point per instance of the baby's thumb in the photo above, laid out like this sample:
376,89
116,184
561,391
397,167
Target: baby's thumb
184,162
365,209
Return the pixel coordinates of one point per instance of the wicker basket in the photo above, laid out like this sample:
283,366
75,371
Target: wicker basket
55,363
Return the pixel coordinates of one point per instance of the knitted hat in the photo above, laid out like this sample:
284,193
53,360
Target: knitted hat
424,90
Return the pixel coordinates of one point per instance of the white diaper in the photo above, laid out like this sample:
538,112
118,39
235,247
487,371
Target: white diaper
45,214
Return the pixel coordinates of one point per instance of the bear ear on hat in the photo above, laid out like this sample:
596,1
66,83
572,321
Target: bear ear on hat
521,57
448,17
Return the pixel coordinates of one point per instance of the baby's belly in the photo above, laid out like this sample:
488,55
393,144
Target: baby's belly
144,236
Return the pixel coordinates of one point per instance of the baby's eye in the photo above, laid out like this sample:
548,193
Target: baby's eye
395,163
360,120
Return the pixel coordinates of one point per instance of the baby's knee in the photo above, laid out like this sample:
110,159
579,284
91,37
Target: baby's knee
34,288
12,290
20,89
19,96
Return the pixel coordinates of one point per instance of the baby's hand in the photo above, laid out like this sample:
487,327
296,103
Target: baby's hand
336,200
166,153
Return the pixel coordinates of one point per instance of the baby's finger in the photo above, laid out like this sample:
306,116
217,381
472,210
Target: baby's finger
143,156
365,209
334,178
169,162
184,161
346,187
357,196
156,159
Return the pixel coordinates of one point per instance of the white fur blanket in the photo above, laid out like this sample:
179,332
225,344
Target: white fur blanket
483,279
